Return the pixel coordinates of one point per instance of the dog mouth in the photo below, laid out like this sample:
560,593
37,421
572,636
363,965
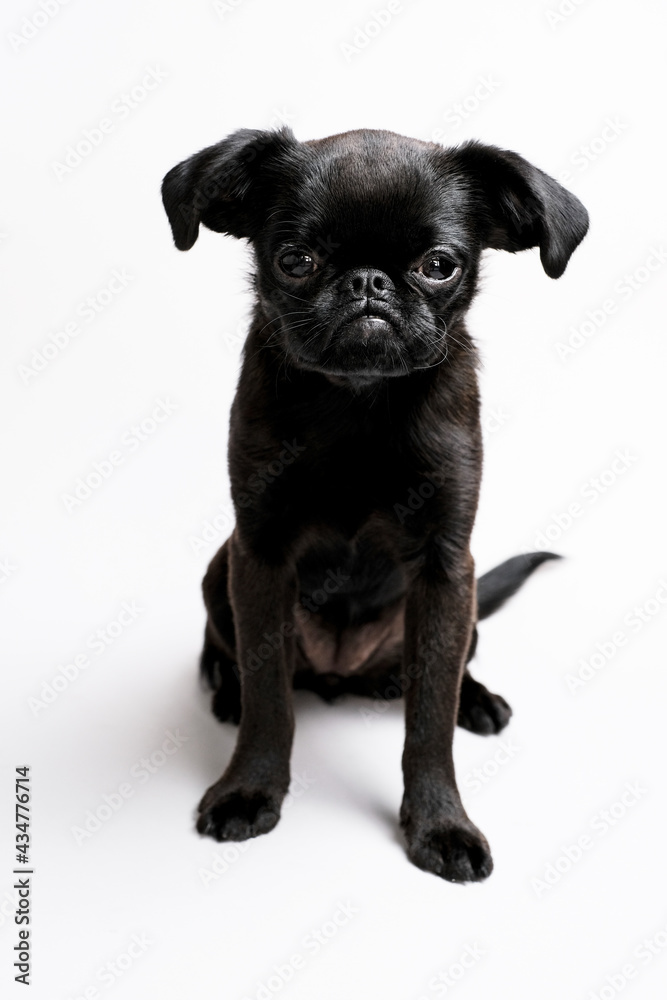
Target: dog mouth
364,343
367,340
368,327
368,323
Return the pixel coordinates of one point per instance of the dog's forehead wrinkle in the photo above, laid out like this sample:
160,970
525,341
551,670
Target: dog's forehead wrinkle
373,189
377,191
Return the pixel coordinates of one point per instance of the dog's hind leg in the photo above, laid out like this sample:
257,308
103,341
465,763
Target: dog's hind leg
480,710
218,658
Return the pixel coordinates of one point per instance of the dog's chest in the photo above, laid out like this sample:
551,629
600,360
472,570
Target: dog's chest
354,467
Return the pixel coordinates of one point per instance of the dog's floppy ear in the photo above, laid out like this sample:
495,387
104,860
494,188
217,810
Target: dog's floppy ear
524,207
223,186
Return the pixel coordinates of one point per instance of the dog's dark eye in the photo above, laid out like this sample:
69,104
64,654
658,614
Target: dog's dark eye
440,269
297,265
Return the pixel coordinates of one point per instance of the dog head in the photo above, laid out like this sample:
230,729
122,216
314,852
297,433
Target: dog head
367,244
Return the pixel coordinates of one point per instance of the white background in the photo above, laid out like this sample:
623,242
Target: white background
174,333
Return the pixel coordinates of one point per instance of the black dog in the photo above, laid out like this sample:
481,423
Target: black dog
355,451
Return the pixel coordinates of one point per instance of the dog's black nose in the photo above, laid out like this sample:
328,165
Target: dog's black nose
367,283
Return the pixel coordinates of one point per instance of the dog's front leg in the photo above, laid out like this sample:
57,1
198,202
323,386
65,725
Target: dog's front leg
440,615
246,800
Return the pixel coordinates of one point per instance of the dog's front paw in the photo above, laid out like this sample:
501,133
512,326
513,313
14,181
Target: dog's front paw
453,849
480,711
236,814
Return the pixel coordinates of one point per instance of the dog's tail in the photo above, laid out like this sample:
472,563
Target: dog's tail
496,586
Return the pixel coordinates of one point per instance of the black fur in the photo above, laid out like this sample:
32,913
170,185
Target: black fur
355,451
501,583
